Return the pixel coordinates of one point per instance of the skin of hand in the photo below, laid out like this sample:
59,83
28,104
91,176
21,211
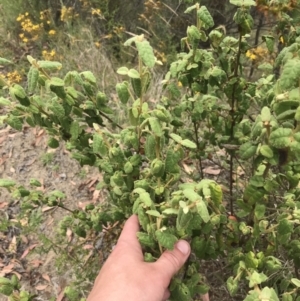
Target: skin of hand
125,275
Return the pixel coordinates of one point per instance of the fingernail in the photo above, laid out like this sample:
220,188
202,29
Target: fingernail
183,247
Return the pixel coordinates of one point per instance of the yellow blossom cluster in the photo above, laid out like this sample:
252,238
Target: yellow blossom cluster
30,30
257,54
11,77
118,30
84,3
96,11
48,55
67,14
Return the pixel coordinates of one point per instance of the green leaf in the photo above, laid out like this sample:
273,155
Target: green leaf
150,147
188,143
51,66
4,61
35,182
265,114
146,199
146,240
57,109
297,114
146,53
281,138
7,183
123,71
89,76
53,143
4,101
56,82
176,138
296,282
290,74
14,122
123,92
133,73
243,2
269,40
257,278
32,78
99,146
232,285
202,211
155,126
191,195
154,213
189,9
205,17
266,151
165,239
75,129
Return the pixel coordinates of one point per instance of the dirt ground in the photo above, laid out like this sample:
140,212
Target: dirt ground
22,157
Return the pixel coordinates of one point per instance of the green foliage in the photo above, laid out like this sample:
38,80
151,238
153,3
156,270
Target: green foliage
209,107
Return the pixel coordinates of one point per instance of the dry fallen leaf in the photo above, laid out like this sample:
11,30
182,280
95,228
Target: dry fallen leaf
25,253
60,296
41,287
46,277
212,171
12,248
3,205
7,270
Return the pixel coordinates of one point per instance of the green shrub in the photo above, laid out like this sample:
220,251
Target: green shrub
209,106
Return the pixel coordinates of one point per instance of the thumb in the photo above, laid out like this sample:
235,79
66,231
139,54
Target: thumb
170,262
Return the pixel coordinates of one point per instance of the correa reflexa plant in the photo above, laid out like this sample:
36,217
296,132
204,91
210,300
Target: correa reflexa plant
209,104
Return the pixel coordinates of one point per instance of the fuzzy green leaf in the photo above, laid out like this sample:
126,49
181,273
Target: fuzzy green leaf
154,213
133,73
89,76
265,114
266,151
243,2
297,114
191,195
53,143
176,138
7,183
51,66
146,53
32,78
202,211
188,143
4,101
123,71
281,138
189,9
165,239
14,122
232,286
75,130
290,75
205,17
123,92
296,282
4,61
99,146
257,278
155,126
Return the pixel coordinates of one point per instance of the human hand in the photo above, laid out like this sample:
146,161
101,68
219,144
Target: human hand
125,275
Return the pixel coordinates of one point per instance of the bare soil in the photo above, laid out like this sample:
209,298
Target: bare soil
22,157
